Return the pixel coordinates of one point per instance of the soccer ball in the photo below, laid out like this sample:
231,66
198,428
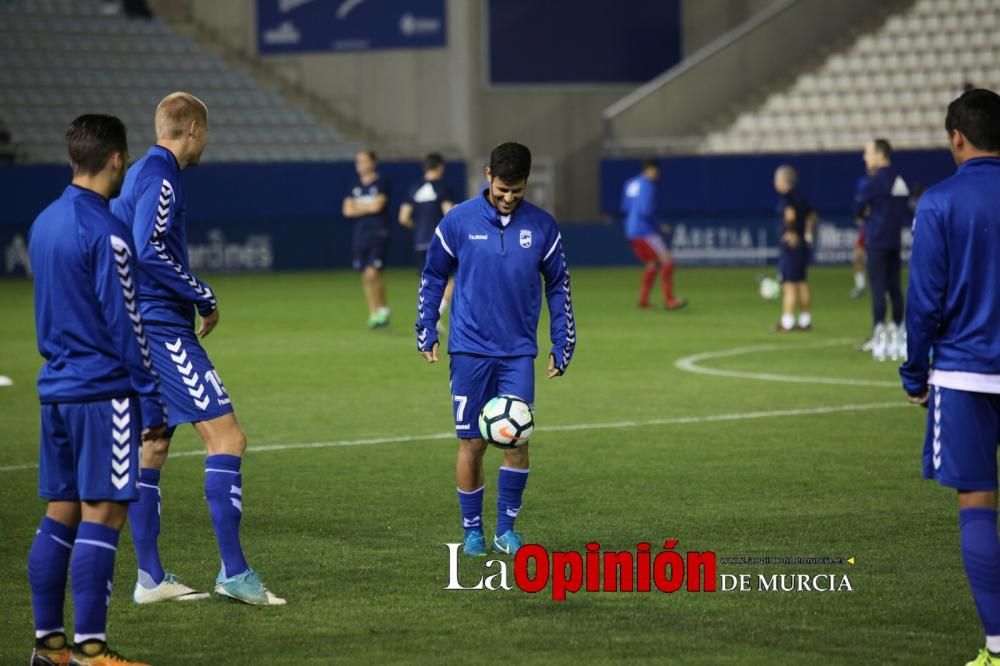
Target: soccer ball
769,289
506,421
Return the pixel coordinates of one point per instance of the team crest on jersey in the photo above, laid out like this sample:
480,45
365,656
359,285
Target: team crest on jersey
525,238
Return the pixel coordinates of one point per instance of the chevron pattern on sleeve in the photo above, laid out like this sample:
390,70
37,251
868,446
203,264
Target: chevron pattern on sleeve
157,241
122,254
568,306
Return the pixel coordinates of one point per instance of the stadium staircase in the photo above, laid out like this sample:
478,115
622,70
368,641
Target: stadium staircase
62,58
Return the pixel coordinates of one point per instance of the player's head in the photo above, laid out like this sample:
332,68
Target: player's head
878,153
365,162
651,169
510,166
973,124
181,121
433,165
98,149
785,178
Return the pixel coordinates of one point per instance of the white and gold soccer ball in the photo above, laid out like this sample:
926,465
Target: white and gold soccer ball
506,421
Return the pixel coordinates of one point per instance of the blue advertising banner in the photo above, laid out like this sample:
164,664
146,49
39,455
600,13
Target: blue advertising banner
293,26
293,221
582,41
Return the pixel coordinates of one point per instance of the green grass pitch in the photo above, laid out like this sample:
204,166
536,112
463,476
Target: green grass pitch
353,534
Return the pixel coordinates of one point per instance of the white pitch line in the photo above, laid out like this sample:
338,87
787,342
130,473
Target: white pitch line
678,420
690,364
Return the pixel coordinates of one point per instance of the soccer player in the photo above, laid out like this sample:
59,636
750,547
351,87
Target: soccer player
796,226
425,204
152,204
953,312
368,205
886,198
98,390
496,244
642,231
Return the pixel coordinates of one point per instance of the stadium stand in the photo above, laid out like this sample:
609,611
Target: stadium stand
61,58
895,80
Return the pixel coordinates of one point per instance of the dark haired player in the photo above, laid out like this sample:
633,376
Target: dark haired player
97,371
368,206
496,244
426,203
953,313
643,234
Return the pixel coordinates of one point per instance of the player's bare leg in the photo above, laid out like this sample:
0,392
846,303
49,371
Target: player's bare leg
471,487
65,512
469,467
378,312
222,435
153,454
109,514
516,458
804,298
368,282
977,499
859,273
789,297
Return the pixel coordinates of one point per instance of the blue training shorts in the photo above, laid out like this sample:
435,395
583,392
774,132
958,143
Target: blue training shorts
369,246
189,385
960,447
90,450
793,263
477,379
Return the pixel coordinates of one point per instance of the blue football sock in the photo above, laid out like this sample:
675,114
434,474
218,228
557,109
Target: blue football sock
92,569
471,504
981,556
510,489
224,492
144,517
48,564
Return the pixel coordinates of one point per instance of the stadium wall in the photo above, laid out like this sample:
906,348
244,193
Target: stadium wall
406,102
262,217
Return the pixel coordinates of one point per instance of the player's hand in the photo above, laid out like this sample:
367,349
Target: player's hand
809,238
432,355
552,371
791,239
923,399
666,229
156,432
208,322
